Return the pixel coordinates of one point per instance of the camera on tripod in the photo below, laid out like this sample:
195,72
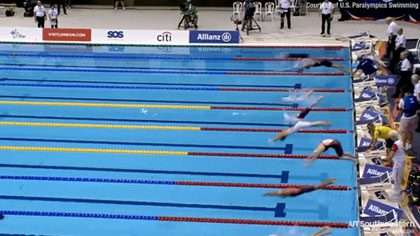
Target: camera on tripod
249,17
189,15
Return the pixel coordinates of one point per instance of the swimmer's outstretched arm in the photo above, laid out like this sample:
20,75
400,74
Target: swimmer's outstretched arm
321,123
311,158
281,136
324,231
316,102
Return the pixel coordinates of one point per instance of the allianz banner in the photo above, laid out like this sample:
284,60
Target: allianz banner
224,37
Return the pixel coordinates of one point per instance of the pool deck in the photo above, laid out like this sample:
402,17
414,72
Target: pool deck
305,29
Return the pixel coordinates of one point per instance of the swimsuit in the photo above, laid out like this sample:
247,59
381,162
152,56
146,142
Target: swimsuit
303,190
303,113
323,63
336,145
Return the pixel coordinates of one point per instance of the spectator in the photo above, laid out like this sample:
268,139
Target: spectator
40,14
116,4
391,32
415,79
53,13
397,156
63,4
405,75
408,104
285,10
327,10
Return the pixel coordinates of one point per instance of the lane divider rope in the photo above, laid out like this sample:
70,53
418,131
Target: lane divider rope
176,219
78,125
165,57
166,106
166,88
144,71
155,152
166,182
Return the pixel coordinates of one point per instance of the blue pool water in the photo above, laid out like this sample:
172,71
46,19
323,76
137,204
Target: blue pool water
51,95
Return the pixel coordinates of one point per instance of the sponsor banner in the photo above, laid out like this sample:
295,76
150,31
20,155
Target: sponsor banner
372,116
375,208
386,80
367,94
200,36
67,35
9,34
365,143
375,171
155,37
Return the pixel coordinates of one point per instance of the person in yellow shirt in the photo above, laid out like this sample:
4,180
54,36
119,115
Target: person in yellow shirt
383,132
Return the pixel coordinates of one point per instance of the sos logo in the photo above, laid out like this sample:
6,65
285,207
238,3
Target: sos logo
115,34
164,37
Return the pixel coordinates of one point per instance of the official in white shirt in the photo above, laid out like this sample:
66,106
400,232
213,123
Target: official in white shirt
397,156
285,11
399,48
40,14
327,10
391,32
53,13
405,75
415,79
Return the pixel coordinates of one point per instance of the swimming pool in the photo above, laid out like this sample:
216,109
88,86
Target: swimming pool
130,140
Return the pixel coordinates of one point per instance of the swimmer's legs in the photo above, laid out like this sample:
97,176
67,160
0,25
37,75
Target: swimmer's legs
349,157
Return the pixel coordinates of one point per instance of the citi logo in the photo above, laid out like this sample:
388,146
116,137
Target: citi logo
164,37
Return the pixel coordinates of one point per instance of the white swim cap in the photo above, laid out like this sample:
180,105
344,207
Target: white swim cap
394,135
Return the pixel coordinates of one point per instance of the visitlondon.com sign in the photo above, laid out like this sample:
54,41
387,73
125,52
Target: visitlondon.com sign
224,37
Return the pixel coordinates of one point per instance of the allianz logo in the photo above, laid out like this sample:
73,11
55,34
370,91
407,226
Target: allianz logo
375,172
225,37
368,116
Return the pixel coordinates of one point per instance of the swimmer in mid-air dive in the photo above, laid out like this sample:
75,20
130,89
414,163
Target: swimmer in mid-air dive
298,97
305,112
324,146
308,63
298,126
300,123
293,192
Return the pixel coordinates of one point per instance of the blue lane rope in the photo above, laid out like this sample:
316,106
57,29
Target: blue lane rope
284,176
154,101
119,57
295,86
114,71
83,215
95,180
